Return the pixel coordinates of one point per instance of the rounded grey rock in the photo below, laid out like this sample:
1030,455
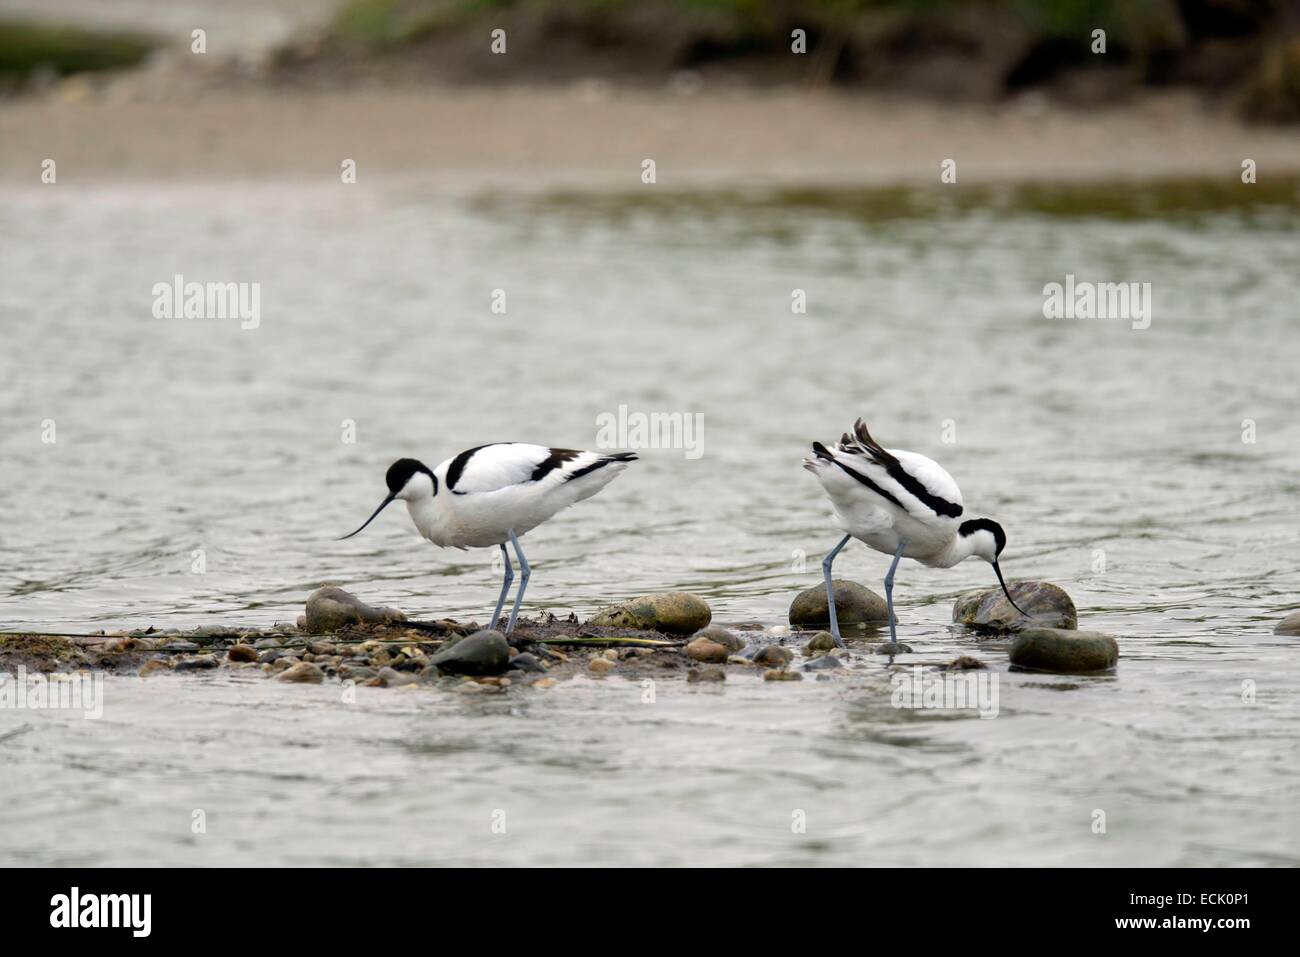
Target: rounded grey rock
674,613
1047,605
854,605
1063,651
482,653
331,608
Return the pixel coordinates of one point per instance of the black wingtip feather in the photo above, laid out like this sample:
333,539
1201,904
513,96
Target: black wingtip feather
871,445
820,451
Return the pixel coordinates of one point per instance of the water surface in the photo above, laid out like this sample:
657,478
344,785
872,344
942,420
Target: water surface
1114,457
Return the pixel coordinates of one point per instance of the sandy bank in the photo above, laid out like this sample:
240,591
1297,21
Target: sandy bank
596,136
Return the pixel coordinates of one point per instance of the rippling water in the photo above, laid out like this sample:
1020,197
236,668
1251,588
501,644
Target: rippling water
1114,457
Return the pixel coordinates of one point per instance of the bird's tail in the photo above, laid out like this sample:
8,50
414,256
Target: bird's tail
821,457
861,442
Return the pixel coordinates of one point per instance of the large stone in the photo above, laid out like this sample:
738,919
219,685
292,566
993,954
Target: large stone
1064,651
854,605
482,653
1290,625
675,613
331,608
1047,605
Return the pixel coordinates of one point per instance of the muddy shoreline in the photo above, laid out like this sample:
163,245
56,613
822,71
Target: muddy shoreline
360,653
659,636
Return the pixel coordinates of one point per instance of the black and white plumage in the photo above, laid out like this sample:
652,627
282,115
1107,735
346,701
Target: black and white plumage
900,503
493,494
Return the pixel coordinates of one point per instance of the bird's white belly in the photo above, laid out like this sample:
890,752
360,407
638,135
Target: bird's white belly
882,527
486,518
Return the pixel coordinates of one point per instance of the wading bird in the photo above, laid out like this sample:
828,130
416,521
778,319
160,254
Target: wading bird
903,504
494,494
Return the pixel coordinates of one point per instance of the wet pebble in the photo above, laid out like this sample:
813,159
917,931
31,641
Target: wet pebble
854,604
356,672
706,673
527,662
822,641
704,649
824,663
722,636
304,672
206,634
601,666
964,663
892,648
180,646
1064,651
395,679
242,653
129,643
262,644
201,663
153,667
780,674
773,656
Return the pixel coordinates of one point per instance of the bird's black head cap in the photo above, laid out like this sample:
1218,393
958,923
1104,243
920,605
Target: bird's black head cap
400,472
987,524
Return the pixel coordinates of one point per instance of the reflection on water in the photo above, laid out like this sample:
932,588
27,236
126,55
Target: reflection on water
1114,457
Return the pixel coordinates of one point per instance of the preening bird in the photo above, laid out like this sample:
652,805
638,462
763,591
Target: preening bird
902,504
495,494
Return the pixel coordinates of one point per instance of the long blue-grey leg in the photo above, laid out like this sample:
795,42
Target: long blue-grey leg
524,573
827,562
505,588
889,591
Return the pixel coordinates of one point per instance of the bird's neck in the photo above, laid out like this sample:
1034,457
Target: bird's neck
959,549
423,514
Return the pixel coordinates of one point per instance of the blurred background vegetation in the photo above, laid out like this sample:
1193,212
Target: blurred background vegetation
1245,52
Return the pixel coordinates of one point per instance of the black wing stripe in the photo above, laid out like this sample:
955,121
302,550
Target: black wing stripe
871,485
458,464
940,506
601,463
552,462
935,503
